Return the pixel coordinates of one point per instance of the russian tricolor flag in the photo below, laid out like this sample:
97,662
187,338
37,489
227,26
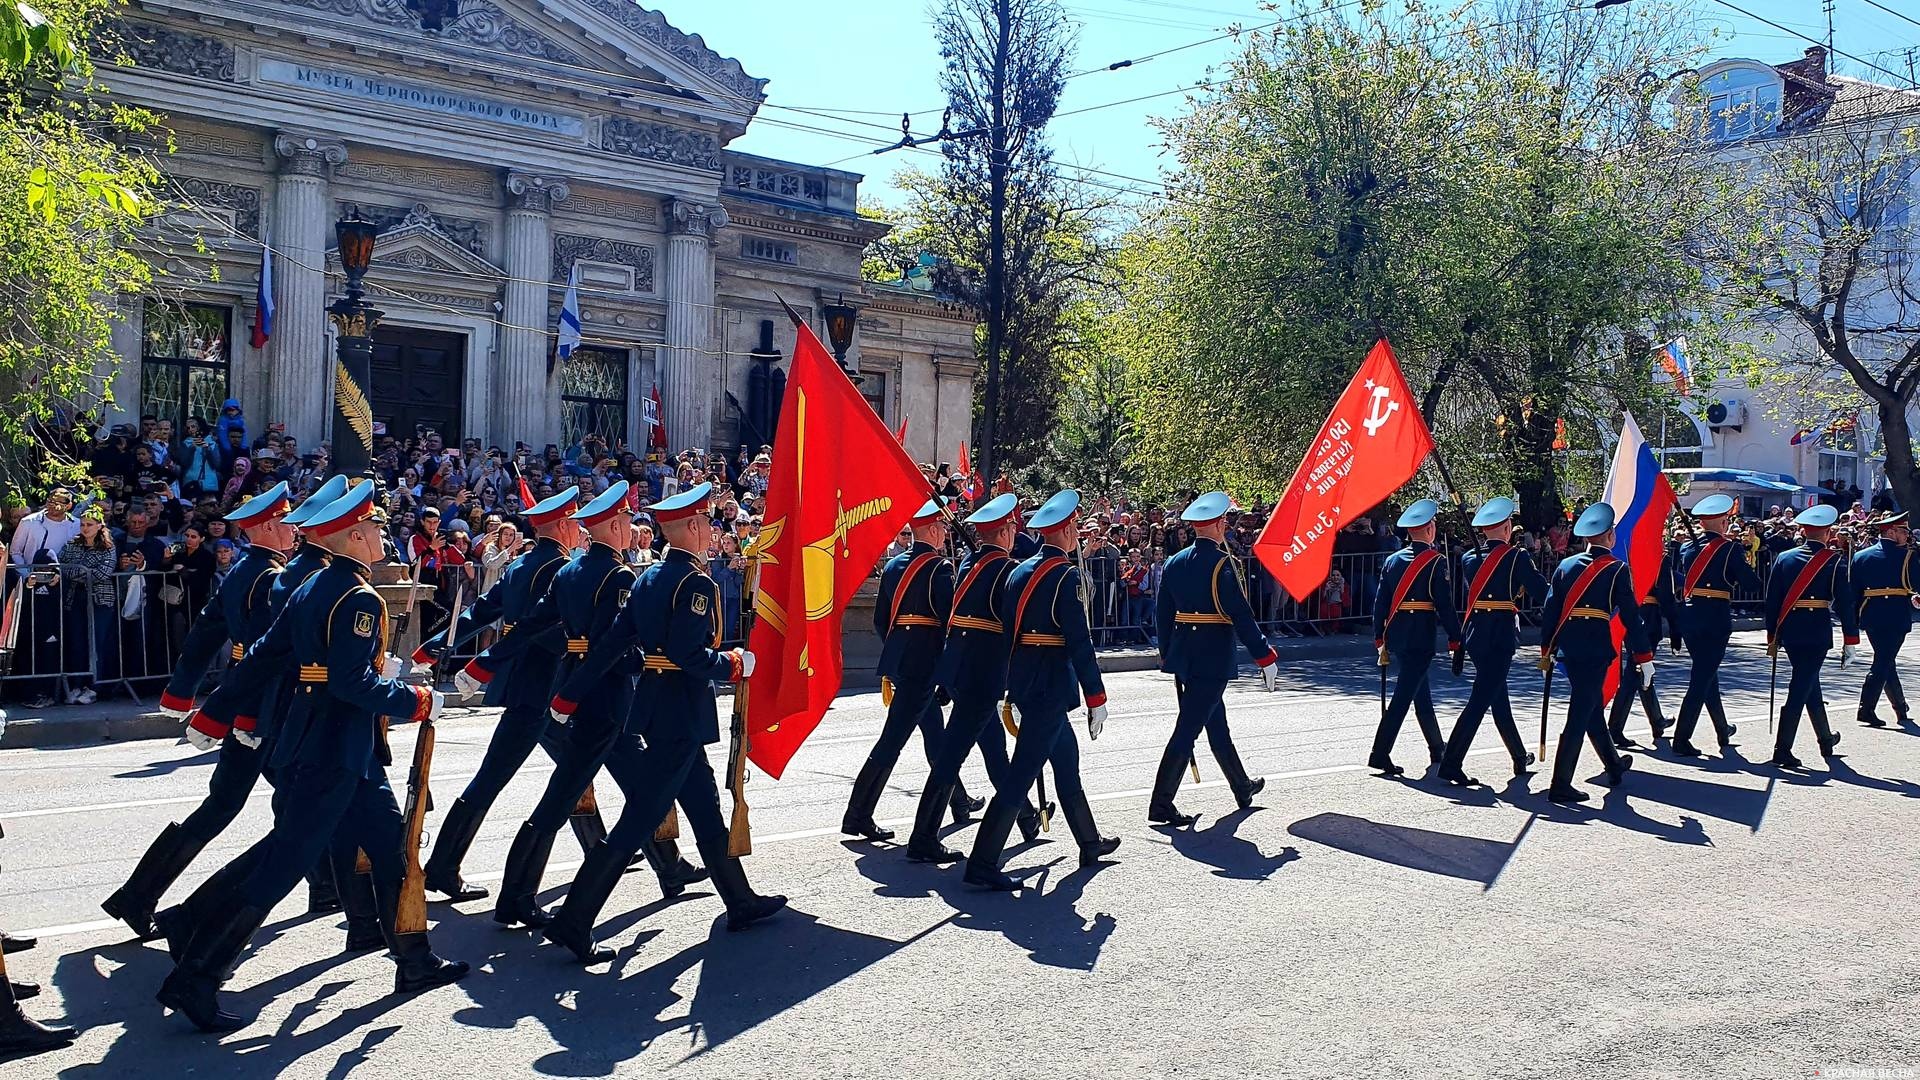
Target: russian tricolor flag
263,300
1641,499
1672,362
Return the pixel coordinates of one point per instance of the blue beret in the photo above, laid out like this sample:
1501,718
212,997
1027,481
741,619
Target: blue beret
1594,520
1494,512
606,503
1818,515
996,510
1055,510
267,504
1713,506
1209,507
1418,514
335,487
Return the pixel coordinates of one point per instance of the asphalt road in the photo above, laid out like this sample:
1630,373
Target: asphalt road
1712,918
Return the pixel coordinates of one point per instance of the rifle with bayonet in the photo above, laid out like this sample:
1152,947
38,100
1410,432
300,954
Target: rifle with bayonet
740,830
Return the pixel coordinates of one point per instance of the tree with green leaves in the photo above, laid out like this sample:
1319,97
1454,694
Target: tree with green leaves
71,204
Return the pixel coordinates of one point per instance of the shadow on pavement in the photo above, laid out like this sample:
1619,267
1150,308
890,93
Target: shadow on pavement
1218,846
1839,771
1447,854
162,768
1046,922
1728,802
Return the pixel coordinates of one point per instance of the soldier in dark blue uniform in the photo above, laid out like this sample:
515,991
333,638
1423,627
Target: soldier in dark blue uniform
1052,665
1807,586
1657,607
1499,577
1413,601
1203,609
329,757
1883,581
973,672
1577,623
1711,568
233,618
910,616
577,613
670,629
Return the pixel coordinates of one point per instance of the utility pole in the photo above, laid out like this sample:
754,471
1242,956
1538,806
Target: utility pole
997,151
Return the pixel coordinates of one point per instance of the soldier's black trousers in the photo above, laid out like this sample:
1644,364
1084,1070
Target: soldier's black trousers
1803,694
309,805
1630,688
913,706
1410,690
235,773
1586,689
1044,737
667,769
975,721
1706,647
580,747
1201,708
521,728
1883,674
1490,669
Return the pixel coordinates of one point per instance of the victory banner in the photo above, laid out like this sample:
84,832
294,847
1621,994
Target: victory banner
1371,444
840,489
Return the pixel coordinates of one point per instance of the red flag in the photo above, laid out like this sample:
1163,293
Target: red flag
658,436
901,435
1372,443
840,489
526,496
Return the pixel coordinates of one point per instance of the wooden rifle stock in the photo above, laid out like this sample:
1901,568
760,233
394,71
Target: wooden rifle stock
739,828
411,917
10,623
587,804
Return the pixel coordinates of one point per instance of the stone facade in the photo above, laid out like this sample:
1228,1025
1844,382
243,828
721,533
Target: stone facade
524,139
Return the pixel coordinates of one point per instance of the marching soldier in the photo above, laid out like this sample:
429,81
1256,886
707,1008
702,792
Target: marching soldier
1808,583
234,617
1883,579
577,611
330,756
1577,621
1498,576
1414,598
1660,605
973,672
910,616
1711,568
1203,608
673,620
1051,666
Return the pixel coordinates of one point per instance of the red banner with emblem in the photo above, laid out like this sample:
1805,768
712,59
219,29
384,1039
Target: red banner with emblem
841,487
1371,444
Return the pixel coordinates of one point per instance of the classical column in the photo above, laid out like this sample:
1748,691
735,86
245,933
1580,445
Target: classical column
525,406
302,225
686,388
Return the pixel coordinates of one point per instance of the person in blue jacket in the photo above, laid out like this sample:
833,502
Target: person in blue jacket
1883,581
1414,600
1499,578
1807,587
1712,567
1657,607
1203,617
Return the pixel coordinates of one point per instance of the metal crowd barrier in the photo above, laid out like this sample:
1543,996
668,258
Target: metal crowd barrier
66,643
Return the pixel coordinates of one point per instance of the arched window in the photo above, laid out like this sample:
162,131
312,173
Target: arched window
1742,100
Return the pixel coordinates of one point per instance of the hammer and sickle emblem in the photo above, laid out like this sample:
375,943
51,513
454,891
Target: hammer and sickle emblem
1380,408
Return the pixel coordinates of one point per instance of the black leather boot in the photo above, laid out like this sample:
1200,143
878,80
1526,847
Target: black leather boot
572,925
323,891
526,863
983,866
679,869
858,820
177,923
1094,848
1722,727
924,845
1029,820
443,868
588,828
670,885
1166,781
165,859
19,1032
744,906
963,805
363,916
193,989
420,968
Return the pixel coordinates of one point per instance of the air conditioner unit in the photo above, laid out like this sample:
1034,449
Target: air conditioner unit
1727,413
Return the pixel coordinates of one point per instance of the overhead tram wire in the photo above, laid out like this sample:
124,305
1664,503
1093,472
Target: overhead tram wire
1890,11
1729,5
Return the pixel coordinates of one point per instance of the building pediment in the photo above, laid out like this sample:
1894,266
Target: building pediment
417,249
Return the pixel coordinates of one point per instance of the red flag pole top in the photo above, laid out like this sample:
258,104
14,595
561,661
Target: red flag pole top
840,488
1372,443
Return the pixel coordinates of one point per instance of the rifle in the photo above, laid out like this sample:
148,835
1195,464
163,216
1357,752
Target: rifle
10,624
740,830
1546,702
411,916
453,626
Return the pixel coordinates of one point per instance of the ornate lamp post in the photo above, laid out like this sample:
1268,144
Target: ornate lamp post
842,321
354,322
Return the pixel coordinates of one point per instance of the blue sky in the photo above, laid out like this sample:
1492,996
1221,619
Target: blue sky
866,61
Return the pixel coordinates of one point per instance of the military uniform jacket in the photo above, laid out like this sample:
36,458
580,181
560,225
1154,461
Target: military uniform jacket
973,663
1883,582
1202,608
583,605
257,700
1711,568
1427,602
1052,661
1662,605
1491,622
673,618
1580,625
910,614
516,677
1802,621
234,617
334,631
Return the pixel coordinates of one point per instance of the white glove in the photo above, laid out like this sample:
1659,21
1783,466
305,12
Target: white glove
248,739
1846,654
438,706
390,667
466,684
1096,721
200,740
559,717
177,714
1646,675
746,662
1270,677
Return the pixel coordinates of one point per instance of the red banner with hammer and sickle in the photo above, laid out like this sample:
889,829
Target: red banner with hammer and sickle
1371,444
840,489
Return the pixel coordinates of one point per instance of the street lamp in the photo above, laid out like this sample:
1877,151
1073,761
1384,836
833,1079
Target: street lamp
842,320
354,323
